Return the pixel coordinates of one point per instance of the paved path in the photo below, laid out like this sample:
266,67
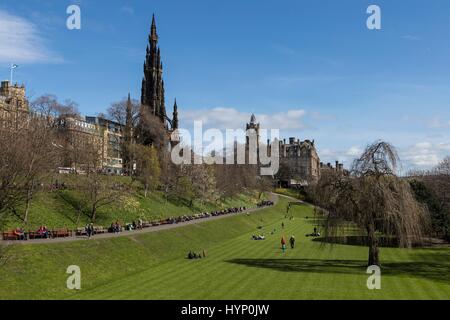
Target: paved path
273,197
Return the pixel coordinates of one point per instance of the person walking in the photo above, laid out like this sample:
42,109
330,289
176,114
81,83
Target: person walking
292,242
90,230
283,244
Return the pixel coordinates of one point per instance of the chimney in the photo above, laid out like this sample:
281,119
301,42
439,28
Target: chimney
291,140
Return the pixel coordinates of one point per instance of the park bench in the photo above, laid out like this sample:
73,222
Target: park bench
100,230
61,233
9,235
80,232
37,235
146,224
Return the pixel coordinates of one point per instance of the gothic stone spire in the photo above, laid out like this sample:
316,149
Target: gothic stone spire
152,93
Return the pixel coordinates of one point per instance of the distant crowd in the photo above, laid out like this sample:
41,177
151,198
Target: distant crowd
117,227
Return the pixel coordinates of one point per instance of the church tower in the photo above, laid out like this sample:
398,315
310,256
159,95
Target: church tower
252,141
152,93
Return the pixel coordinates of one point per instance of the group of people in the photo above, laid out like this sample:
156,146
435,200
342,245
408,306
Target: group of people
258,237
314,234
135,225
202,215
265,203
115,227
291,242
193,255
43,232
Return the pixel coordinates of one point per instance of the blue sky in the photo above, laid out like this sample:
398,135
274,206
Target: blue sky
310,68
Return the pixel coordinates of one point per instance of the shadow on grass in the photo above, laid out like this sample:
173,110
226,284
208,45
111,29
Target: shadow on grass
419,269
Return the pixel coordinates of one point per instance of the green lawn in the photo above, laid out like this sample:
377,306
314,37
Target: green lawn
153,266
60,209
290,193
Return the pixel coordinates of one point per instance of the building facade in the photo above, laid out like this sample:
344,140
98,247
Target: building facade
14,106
299,160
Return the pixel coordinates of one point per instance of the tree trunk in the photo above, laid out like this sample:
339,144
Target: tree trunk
374,254
94,214
27,204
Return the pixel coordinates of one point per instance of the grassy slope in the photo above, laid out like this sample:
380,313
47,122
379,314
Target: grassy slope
289,192
54,211
153,266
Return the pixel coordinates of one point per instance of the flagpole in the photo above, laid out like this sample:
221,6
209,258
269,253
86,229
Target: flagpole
11,74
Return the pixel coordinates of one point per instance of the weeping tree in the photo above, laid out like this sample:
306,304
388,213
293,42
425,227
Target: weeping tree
373,198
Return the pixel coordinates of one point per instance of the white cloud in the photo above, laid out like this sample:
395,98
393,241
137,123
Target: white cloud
354,152
230,118
21,41
424,154
421,155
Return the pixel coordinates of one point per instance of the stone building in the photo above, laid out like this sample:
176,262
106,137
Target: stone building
299,163
82,144
82,133
299,160
339,167
14,106
112,135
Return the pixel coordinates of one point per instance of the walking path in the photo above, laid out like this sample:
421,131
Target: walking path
273,197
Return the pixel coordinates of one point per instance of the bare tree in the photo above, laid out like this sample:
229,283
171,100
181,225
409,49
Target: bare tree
118,111
48,107
373,198
126,113
98,190
42,156
150,130
28,156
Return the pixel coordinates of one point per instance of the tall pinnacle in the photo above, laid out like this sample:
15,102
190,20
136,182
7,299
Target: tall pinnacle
153,34
152,93
175,116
